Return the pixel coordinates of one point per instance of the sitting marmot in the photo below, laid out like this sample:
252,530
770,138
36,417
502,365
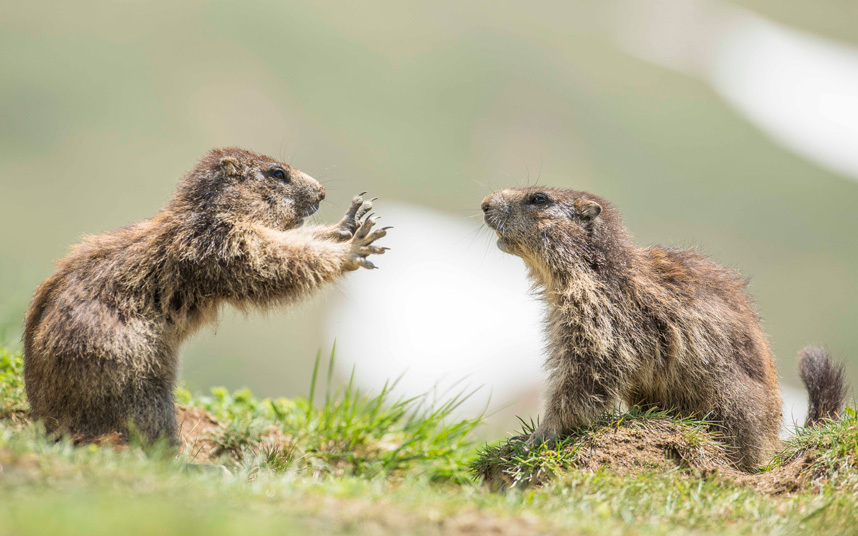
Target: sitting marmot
654,326
102,333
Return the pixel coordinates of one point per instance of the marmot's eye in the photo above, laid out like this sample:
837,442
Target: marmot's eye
279,174
538,199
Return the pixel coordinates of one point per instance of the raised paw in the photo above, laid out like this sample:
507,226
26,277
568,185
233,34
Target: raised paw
361,245
345,229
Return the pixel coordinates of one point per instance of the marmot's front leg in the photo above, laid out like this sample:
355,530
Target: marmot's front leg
576,397
346,228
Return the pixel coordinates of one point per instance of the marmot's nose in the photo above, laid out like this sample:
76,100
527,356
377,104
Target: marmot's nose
321,192
485,205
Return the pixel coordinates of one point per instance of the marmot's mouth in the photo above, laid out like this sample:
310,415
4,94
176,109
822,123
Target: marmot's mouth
504,245
309,211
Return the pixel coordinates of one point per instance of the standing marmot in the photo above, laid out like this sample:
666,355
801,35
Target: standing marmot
102,333
653,326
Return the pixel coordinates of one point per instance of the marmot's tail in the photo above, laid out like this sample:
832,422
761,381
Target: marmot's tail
825,385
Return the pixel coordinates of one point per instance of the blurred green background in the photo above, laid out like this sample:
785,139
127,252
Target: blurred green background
104,105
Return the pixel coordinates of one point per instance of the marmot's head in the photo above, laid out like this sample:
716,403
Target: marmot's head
239,185
553,229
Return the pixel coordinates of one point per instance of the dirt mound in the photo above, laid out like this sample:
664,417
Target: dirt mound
203,438
795,476
625,447
638,446
657,445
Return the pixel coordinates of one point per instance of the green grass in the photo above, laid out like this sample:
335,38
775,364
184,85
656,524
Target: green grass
353,463
348,432
830,450
13,401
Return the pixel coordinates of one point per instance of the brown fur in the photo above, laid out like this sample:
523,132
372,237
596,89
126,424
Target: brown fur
102,333
653,326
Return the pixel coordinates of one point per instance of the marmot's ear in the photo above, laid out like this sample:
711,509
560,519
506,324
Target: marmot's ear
229,165
588,209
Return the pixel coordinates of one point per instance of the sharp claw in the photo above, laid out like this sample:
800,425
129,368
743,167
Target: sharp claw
373,200
386,228
361,194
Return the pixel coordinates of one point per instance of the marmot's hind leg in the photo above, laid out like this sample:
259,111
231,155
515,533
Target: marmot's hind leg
752,441
153,413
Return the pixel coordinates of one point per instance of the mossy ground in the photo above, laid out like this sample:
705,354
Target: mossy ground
349,463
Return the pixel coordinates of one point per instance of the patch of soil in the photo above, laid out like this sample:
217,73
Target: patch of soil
198,432
201,437
795,476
